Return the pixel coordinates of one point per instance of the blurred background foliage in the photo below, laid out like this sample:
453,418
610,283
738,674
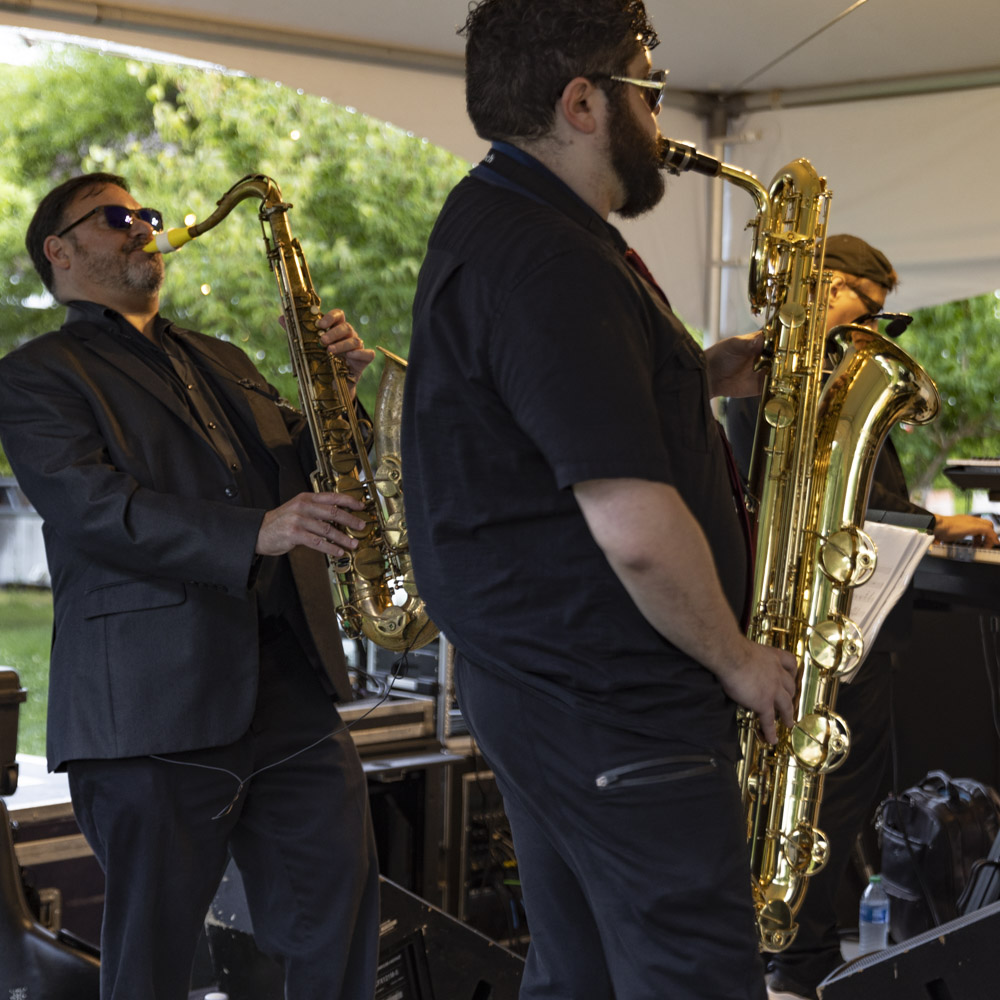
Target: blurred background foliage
365,197
958,343
365,193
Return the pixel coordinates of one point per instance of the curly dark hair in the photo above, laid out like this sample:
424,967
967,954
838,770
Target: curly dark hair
520,54
48,217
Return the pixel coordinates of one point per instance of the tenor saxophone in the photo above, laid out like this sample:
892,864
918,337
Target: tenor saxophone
811,469
373,586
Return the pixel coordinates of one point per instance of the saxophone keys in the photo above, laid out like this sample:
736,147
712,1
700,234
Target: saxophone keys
776,924
820,741
391,622
848,556
836,644
342,463
341,564
350,621
394,531
336,430
368,563
389,476
806,849
820,852
350,486
779,412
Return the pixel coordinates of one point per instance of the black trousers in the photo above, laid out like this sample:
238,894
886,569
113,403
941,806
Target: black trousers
636,887
299,831
846,807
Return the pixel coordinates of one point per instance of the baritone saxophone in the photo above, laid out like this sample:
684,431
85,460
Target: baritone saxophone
813,458
373,586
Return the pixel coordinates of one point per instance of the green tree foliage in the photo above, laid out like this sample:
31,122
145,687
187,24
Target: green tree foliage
365,196
365,193
957,343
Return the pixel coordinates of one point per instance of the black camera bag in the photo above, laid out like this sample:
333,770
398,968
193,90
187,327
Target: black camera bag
931,836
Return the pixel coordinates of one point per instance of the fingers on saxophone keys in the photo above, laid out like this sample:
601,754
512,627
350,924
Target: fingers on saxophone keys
335,317
770,729
329,540
336,505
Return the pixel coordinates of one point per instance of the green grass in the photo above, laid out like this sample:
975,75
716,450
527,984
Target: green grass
25,634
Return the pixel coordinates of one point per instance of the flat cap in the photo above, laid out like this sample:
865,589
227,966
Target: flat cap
852,255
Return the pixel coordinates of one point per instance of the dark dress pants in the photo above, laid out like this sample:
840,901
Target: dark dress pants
299,831
638,890
848,794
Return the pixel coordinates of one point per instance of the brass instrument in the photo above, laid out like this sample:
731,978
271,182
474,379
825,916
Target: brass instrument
373,586
813,458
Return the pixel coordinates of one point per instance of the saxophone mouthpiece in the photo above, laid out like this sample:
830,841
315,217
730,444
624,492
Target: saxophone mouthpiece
677,157
170,240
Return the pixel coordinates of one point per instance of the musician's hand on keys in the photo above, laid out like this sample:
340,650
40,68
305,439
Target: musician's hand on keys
763,680
730,366
950,528
311,519
339,337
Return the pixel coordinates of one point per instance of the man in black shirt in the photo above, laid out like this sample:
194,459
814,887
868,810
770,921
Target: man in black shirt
196,657
572,522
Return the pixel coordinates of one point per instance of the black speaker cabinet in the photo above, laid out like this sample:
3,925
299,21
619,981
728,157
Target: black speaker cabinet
959,960
424,954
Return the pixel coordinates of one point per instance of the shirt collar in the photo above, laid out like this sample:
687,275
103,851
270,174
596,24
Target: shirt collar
110,319
517,170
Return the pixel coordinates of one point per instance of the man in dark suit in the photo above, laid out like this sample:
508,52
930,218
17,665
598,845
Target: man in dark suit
196,657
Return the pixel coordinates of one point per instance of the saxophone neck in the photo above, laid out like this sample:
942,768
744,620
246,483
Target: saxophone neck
252,186
677,157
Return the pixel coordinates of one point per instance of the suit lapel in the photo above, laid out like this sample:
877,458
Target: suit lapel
247,391
257,403
117,353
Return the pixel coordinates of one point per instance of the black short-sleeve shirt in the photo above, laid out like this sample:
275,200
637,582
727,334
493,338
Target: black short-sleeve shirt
541,359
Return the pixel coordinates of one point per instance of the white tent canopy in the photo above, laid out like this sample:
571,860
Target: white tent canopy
910,172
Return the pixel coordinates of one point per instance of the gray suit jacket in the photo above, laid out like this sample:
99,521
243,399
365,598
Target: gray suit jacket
150,546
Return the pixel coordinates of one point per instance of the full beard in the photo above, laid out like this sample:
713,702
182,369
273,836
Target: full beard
635,160
136,270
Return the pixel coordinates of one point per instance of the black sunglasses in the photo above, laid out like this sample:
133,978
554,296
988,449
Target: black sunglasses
895,323
120,217
652,87
873,307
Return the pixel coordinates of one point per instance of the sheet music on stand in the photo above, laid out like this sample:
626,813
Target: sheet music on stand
899,551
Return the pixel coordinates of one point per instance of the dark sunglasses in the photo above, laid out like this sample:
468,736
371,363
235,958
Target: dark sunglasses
652,86
120,217
894,323
867,301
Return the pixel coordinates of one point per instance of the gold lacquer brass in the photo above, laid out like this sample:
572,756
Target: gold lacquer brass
373,586
814,454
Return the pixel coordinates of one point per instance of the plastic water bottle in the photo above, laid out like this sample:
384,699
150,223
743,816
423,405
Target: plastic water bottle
873,917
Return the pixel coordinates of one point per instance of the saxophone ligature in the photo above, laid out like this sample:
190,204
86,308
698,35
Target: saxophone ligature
813,457
373,586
